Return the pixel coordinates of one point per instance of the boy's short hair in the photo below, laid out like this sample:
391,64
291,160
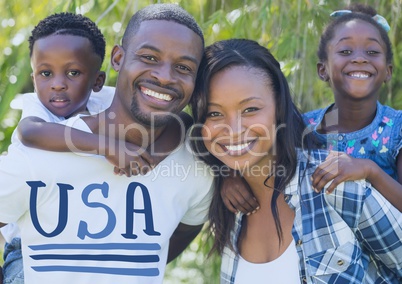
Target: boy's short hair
69,24
163,12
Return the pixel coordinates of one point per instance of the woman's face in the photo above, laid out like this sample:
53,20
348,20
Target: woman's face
240,126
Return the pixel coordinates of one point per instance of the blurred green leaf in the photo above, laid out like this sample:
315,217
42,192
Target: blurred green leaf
290,29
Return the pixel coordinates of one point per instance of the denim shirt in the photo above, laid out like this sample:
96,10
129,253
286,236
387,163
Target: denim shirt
353,235
380,141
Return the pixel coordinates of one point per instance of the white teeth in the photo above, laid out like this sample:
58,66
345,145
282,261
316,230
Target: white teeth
58,100
159,96
237,147
359,75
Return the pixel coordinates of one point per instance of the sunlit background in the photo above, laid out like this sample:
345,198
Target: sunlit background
290,28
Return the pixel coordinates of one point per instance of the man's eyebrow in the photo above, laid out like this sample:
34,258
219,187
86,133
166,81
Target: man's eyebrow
190,58
151,47
184,57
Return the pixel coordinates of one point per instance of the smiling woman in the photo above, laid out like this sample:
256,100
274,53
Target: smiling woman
250,108
246,121
289,28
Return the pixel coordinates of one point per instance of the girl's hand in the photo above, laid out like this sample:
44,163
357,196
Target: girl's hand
337,168
237,195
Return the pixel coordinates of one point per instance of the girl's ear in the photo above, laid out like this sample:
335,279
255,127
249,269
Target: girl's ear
389,73
99,82
322,72
117,57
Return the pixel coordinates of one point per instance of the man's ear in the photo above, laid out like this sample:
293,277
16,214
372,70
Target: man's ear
322,72
117,57
389,73
99,82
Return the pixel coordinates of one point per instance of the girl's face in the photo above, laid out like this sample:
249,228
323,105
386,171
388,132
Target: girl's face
240,126
356,66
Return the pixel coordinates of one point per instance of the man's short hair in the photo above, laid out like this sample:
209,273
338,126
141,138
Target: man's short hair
164,12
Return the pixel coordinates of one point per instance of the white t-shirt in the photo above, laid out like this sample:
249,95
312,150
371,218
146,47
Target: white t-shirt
283,270
80,223
30,105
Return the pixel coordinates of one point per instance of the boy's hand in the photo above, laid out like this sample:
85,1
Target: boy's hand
237,196
339,167
129,159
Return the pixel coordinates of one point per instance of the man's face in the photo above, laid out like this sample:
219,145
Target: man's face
157,71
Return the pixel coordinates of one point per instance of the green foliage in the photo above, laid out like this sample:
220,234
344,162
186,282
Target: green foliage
290,29
194,265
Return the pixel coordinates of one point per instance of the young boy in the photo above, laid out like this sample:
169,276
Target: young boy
84,204
66,51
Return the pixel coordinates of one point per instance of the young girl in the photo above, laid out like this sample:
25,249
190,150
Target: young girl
355,57
298,235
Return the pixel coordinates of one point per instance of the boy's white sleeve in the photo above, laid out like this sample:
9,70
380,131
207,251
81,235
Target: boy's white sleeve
99,101
31,106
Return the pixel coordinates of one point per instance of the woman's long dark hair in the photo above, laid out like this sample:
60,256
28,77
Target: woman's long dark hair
242,52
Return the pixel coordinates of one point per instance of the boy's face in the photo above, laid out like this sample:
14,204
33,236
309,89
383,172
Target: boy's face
65,70
157,71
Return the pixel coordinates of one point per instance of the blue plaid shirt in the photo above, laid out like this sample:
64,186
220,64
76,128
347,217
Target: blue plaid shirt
352,235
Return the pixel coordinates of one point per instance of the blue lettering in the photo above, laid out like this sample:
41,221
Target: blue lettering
111,224
130,211
63,207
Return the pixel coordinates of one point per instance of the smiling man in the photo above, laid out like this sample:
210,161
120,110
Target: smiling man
79,222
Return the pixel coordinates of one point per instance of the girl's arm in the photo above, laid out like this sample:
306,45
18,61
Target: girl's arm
237,195
399,167
340,167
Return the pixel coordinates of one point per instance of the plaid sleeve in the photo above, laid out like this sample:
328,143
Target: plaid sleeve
380,231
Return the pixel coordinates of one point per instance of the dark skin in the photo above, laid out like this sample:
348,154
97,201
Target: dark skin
170,57
63,85
237,196
128,159
356,48
181,238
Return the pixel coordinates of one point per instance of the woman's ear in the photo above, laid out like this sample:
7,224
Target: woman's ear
99,82
322,72
117,57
